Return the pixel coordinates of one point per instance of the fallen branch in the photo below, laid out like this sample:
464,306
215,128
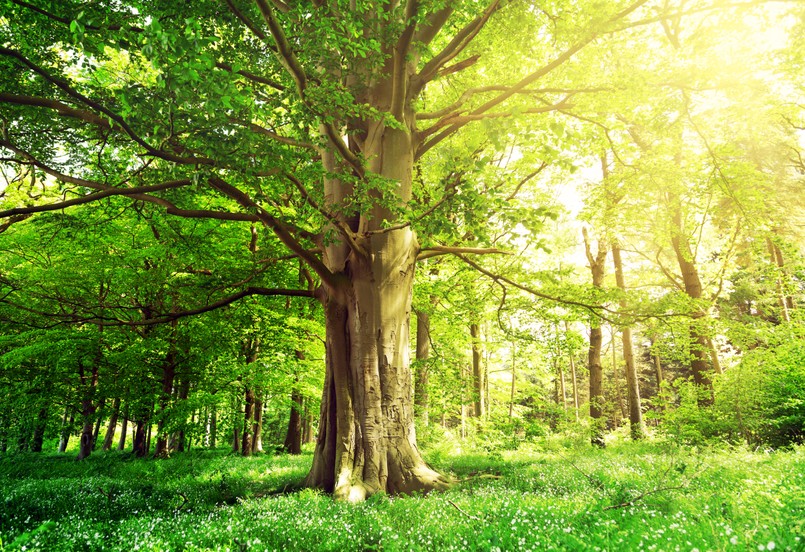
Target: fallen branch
454,505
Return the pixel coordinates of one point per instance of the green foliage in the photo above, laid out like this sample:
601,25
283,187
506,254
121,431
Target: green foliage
548,497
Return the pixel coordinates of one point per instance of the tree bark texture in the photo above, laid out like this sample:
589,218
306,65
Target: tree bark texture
477,371
367,440
422,355
110,429
636,427
596,342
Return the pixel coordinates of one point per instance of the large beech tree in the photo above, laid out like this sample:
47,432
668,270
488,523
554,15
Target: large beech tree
312,119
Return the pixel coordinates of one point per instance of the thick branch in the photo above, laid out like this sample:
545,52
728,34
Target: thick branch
437,250
93,197
455,47
282,231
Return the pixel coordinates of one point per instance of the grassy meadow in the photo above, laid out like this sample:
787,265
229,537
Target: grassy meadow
553,495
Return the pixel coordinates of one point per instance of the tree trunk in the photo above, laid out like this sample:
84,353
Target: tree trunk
693,288
66,428
307,431
88,384
514,380
367,440
422,355
39,430
97,431
257,429
213,427
248,421
293,436
110,430
138,443
561,396
785,301
615,378
477,371
168,377
124,426
596,343
636,427
657,365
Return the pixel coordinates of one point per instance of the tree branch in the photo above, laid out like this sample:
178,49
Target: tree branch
282,231
437,250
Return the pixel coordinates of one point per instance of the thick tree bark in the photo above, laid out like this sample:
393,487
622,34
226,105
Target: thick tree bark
367,440
596,343
636,427
110,430
477,371
293,436
422,355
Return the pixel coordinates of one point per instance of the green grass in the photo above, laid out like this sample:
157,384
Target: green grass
646,496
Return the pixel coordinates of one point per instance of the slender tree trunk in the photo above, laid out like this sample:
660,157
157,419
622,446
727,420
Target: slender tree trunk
615,376
307,432
88,385
514,381
251,350
422,355
97,431
66,428
699,366
596,344
560,378
124,426
39,429
139,443
657,364
785,301
213,427
477,371
248,421
575,387
168,377
110,430
257,429
636,427
714,356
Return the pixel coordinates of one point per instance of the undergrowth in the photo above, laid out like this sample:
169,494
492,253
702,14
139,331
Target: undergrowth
643,496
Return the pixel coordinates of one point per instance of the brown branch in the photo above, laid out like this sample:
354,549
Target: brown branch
526,81
278,137
437,250
257,31
72,92
251,76
284,50
280,229
455,122
60,107
93,197
460,41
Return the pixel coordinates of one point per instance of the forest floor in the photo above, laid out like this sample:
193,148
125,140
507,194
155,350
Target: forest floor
545,496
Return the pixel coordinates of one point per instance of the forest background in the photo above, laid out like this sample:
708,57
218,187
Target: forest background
367,232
